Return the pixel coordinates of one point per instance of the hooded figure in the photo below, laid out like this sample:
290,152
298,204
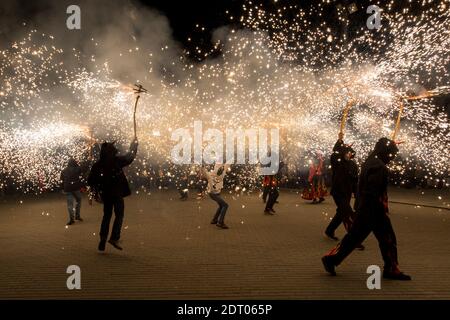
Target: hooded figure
372,215
108,180
215,185
344,178
72,182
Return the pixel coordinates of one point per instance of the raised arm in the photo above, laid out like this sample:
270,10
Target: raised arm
128,158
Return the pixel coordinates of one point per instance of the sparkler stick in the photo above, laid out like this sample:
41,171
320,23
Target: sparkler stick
397,123
349,104
427,94
138,89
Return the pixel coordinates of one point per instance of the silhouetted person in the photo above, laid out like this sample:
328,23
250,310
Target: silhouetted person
215,185
107,179
344,177
372,214
273,182
71,178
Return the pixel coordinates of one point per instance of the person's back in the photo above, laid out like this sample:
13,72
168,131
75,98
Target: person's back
108,179
107,176
71,177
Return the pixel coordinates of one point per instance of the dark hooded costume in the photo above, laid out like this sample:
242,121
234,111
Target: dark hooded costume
344,179
72,177
372,214
109,181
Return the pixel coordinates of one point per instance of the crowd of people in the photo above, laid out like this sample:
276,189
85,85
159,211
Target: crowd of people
108,184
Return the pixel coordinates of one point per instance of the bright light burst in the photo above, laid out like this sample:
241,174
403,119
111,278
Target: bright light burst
273,70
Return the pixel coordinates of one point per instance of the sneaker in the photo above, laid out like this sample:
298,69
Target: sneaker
102,245
115,244
71,222
222,225
331,236
328,265
396,276
79,219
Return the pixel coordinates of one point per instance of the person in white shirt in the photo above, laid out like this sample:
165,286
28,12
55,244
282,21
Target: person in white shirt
215,185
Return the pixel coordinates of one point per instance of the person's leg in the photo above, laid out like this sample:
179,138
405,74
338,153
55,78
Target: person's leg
321,187
119,212
223,211
387,241
315,188
70,208
77,196
107,214
219,208
271,201
337,219
265,193
360,230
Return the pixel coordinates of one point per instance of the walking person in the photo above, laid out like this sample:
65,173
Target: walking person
109,181
215,185
344,178
372,214
273,182
72,181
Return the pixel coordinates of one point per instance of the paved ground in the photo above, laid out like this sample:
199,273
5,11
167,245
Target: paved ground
171,251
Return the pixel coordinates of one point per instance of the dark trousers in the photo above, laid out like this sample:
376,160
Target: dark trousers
219,217
273,196
265,193
344,214
108,205
365,224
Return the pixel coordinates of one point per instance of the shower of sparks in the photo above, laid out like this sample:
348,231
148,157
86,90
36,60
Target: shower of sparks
274,70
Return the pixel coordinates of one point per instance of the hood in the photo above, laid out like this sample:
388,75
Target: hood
107,151
385,150
72,163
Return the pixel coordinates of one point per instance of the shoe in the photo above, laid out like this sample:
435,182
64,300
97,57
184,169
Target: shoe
321,200
79,219
271,210
268,212
396,276
222,225
331,236
102,245
360,247
71,222
328,265
115,244
213,222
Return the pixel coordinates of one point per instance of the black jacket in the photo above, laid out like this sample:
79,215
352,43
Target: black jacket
344,173
72,177
107,177
374,177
